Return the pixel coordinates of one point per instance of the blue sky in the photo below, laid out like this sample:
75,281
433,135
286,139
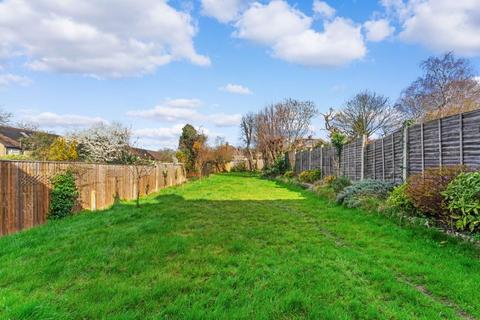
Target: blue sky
154,65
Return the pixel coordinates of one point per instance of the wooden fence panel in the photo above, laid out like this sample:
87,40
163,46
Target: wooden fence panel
471,139
25,187
449,141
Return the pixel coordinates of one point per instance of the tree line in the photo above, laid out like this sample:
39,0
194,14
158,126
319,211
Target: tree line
447,86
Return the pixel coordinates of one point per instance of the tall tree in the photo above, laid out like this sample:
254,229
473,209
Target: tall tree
191,145
367,113
280,126
295,118
62,149
447,86
247,127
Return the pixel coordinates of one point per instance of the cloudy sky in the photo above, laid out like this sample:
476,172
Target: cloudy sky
155,65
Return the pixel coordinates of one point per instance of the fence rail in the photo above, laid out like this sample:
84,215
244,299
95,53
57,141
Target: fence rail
448,141
25,187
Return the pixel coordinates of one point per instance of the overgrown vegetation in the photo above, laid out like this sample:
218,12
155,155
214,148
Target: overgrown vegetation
339,183
239,167
462,197
278,168
447,197
364,191
63,196
289,174
425,190
310,176
399,202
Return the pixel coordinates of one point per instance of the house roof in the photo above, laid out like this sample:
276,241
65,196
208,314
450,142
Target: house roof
146,154
11,137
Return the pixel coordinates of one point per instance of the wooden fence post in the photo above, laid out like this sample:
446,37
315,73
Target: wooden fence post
355,152
93,200
383,159
405,154
393,158
348,161
422,142
310,159
362,165
374,160
294,168
301,161
440,155
321,161
461,138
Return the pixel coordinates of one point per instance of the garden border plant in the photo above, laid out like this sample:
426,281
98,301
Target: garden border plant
462,198
63,196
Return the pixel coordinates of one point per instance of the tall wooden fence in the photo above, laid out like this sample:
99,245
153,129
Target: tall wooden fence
25,187
448,141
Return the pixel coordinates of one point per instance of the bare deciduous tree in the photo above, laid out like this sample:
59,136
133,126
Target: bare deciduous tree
446,87
328,118
247,127
140,169
367,113
5,117
278,127
295,118
26,125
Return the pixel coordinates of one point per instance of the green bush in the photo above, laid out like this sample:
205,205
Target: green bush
325,192
462,198
63,195
353,196
239,167
340,183
328,180
278,168
310,176
370,203
399,201
289,174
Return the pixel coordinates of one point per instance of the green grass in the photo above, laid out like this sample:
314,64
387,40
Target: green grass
236,247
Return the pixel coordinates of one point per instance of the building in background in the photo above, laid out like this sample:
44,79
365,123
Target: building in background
11,140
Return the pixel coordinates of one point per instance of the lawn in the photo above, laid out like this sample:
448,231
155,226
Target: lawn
236,247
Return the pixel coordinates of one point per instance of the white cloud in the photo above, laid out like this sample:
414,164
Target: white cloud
323,9
97,38
51,120
289,33
167,113
441,25
176,114
9,79
267,24
378,30
183,103
156,138
339,44
159,133
236,89
223,10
